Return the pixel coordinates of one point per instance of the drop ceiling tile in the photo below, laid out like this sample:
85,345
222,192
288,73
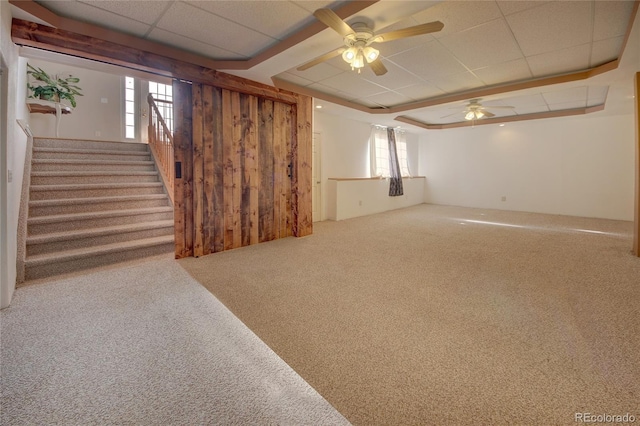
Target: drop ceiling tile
389,99
459,15
552,26
560,61
318,73
420,91
395,77
276,19
352,84
190,45
505,72
148,11
394,47
93,15
429,61
611,19
295,79
531,109
483,45
198,24
313,5
326,89
568,105
457,82
574,94
597,94
526,101
510,7
604,51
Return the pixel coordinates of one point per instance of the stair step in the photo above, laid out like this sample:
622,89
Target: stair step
64,241
80,205
86,144
70,177
46,265
38,165
68,222
89,154
48,192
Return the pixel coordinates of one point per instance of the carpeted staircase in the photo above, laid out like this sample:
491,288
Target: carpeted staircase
92,204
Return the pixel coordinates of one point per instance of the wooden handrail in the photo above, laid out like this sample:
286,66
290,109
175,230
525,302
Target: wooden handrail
161,143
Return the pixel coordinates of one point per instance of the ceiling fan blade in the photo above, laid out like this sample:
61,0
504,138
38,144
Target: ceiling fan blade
500,107
488,114
431,27
378,67
321,59
330,19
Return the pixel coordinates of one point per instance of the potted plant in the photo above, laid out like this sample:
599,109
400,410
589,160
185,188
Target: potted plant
53,88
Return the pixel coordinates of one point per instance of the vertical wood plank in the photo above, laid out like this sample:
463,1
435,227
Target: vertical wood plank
302,153
266,163
228,155
245,197
218,171
279,172
251,164
183,202
208,207
198,170
288,134
237,146
636,222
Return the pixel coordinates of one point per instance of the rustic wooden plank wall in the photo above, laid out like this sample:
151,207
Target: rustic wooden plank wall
183,153
242,170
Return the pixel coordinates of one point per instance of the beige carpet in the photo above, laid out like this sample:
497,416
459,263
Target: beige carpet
440,315
141,344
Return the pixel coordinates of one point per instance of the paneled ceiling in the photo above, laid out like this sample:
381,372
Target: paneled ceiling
494,50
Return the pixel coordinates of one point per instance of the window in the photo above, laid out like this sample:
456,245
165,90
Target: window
129,108
379,152
163,95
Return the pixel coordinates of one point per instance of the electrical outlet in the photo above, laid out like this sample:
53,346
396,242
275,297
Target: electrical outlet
360,202
9,175
98,133
104,100
504,198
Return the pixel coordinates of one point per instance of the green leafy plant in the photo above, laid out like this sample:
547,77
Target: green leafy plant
53,88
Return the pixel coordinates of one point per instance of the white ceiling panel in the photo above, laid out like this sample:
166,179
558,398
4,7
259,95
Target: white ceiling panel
531,109
483,45
330,90
421,91
190,45
287,76
353,85
198,24
395,77
611,19
318,73
457,82
389,99
504,72
313,5
459,15
148,11
510,7
597,94
93,15
568,105
528,101
272,18
429,61
574,94
552,26
560,61
394,47
604,51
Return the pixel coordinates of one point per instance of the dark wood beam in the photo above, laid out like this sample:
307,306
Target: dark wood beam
30,34
99,32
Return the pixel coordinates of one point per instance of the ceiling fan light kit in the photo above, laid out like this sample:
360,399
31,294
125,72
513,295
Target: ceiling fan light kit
358,38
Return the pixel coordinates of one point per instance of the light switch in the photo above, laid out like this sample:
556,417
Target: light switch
9,175
104,100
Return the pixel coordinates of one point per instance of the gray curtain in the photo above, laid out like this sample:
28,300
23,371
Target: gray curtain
395,181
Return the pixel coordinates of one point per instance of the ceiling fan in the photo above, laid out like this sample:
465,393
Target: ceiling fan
474,110
358,39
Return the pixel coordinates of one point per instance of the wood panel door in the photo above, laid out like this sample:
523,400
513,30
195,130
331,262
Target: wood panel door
241,188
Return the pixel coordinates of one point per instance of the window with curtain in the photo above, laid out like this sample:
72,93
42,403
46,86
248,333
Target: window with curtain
379,152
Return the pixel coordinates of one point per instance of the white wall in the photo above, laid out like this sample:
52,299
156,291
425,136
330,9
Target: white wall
15,149
345,154
93,118
578,166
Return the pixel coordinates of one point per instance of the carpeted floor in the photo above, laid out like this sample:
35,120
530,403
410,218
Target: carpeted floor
448,316
141,344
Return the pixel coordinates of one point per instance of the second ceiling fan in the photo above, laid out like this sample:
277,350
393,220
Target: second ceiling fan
358,38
